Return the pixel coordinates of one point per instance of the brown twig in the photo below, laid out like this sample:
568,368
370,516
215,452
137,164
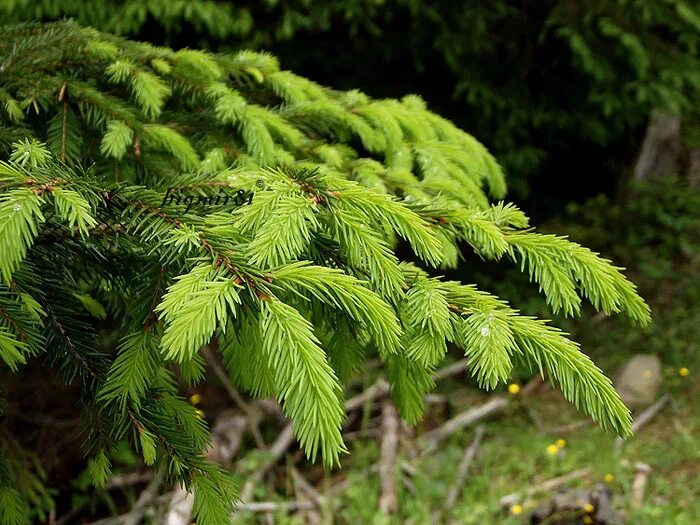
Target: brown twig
126,480
570,427
432,439
379,388
463,468
649,413
145,498
275,452
454,369
639,484
305,488
273,506
545,486
249,409
387,459
646,416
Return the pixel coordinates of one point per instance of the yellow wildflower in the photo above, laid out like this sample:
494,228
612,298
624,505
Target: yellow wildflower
683,372
609,478
552,450
587,520
513,388
195,399
561,443
588,508
516,510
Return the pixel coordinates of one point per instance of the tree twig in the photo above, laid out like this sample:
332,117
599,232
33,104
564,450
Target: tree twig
304,487
432,439
276,451
272,506
463,468
646,416
146,497
639,484
248,409
545,486
387,459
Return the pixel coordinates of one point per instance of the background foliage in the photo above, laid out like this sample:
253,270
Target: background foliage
558,90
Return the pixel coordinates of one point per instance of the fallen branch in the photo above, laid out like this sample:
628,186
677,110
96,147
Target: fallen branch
379,388
304,487
463,468
432,439
545,486
649,413
135,513
146,497
227,436
272,506
275,452
639,484
126,480
387,459
451,370
646,416
568,428
250,410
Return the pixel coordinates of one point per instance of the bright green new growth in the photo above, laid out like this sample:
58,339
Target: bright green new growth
114,190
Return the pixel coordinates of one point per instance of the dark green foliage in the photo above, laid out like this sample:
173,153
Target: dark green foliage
544,84
175,198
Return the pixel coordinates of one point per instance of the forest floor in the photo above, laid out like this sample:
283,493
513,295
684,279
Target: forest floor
535,438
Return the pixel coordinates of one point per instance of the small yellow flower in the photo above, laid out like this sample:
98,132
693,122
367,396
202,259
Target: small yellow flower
683,372
587,520
609,478
561,443
195,399
588,508
199,413
552,450
516,509
513,388
647,374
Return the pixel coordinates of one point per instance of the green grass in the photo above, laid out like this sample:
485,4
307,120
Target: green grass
514,456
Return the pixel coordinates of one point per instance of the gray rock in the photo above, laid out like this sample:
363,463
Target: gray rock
638,380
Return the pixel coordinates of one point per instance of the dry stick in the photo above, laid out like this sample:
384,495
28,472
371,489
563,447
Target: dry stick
463,468
286,438
146,497
115,482
649,413
432,439
570,427
249,410
226,437
125,480
639,484
313,515
497,403
646,415
379,388
272,506
544,486
276,451
134,514
387,458
451,370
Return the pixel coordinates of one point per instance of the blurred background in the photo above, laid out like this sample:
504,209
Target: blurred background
592,107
